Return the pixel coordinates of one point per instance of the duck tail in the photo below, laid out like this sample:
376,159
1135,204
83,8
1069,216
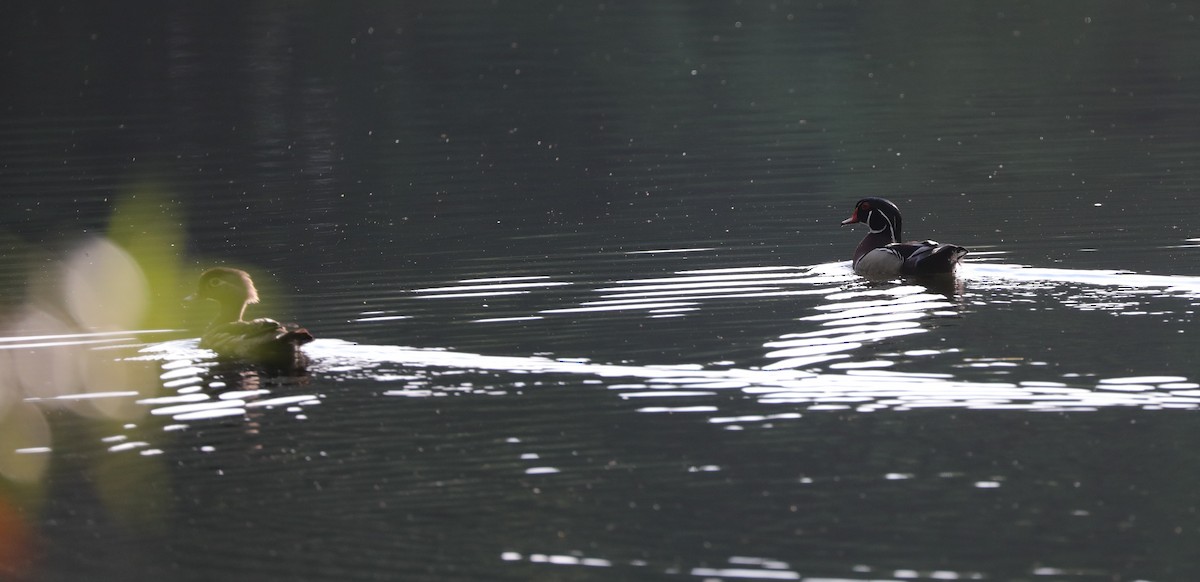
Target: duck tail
297,336
939,259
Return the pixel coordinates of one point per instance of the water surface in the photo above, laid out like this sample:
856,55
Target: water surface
583,305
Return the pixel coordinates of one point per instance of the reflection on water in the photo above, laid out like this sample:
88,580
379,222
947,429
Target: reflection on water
672,295
605,230
1100,283
753,568
834,364
856,347
851,352
854,317
204,389
423,373
488,287
855,351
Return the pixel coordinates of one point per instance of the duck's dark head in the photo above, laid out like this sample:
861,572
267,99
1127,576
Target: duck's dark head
232,289
880,215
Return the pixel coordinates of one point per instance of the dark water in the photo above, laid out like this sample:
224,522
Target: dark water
583,302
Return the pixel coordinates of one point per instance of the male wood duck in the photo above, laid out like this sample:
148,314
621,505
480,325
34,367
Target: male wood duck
262,341
882,255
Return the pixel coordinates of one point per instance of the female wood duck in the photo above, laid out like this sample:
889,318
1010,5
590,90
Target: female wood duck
263,341
882,255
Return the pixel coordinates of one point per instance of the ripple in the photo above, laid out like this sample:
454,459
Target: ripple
667,251
486,287
1005,273
16,342
816,368
1144,380
200,407
692,389
687,290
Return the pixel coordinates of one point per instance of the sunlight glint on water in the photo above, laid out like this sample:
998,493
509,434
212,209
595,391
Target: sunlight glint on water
569,267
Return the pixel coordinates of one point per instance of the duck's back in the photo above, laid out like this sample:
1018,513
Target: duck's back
261,341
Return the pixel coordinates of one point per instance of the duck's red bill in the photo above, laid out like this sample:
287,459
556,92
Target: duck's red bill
853,219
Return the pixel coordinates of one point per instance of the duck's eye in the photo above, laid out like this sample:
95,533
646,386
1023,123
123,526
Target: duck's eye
866,206
214,282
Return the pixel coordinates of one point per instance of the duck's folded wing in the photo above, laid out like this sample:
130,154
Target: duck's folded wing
239,336
928,256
